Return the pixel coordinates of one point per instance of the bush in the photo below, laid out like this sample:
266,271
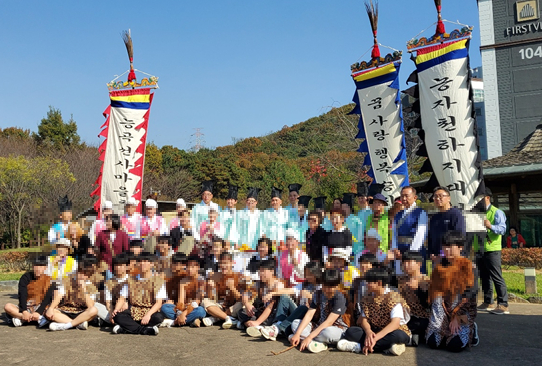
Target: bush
522,257
15,261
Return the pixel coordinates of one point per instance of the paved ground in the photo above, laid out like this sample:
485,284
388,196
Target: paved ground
514,339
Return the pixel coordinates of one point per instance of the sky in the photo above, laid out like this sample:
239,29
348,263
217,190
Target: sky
235,69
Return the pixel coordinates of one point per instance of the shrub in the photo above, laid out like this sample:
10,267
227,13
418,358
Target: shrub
15,261
522,257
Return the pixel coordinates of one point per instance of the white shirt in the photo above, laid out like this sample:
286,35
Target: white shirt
396,312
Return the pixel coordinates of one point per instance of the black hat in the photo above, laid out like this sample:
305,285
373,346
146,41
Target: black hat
275,192
253,193
120,259
136,243
178,257
320,203
232,192
488,192
379,197
162,238
147,256
40,260
295,187
363,189
64,204
348,198
207,186
374,189
304,200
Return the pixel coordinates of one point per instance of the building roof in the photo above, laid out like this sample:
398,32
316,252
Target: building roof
528,151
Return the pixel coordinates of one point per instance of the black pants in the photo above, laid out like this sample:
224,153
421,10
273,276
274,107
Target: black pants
125,320
418,325
489,265
455,344
356,334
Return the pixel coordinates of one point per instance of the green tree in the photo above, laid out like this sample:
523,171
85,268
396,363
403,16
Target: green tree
22,182
54,132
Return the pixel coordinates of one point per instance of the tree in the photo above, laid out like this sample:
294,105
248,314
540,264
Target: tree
22,184
54,132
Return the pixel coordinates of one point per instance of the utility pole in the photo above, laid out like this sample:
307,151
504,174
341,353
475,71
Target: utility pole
197,140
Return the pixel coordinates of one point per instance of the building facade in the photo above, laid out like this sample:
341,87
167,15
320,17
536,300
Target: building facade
511,47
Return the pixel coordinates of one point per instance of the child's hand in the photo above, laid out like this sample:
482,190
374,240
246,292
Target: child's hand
305,343
26,316
294,341
181,319
252,323
249,310
35,317
455,326
145,320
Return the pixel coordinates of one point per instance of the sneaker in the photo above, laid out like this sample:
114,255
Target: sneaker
57,326
151,331
475,338
317,347
270,332
348,346
196,323
396,349
414,340
486,307
228,323
83,326
167,323
208,321
117,329
254,331
42,322
16,322
500,310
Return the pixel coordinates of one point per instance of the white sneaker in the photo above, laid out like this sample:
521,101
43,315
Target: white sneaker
83,326
475,338
317,347
348,346
117,329
396,349
57,326
16,322
227,323
43,322
254,331
167,323
208,321
270,332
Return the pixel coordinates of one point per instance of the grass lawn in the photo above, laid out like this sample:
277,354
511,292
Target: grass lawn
515,282
33,249
10,276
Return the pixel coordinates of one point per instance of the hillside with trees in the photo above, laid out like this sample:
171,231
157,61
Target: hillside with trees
36,168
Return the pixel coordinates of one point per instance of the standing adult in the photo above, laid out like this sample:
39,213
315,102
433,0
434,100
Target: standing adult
200,211
99,224
489,259
351,221
180,207
131,220
320,207
315,237
228,216
293,198
515,240
409,228
363,213
446,219
112,241
152,225
249,223
58,230
300,222
275,219
379,219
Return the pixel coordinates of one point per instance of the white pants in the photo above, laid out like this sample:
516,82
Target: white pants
102,312
330,335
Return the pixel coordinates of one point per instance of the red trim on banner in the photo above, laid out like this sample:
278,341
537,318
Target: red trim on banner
437,47
128,92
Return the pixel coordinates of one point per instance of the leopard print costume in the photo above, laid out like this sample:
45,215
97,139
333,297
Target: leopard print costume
74,298
412,298
142,295
378,309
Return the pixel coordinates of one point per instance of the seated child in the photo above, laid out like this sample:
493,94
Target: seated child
35,294
453,299
367,261
73,301
144,295
384,316
210,263
113,287
312,283
225,288
265,250
162,266
187,310
272,301
323,323
414,288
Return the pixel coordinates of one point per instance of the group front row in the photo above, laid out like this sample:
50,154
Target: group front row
376,312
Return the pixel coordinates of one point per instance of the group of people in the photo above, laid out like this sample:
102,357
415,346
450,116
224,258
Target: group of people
319,278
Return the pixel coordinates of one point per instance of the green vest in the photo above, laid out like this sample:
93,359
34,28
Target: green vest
493,241
383,230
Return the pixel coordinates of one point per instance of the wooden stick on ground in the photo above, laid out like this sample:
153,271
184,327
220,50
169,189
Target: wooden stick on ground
284,350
